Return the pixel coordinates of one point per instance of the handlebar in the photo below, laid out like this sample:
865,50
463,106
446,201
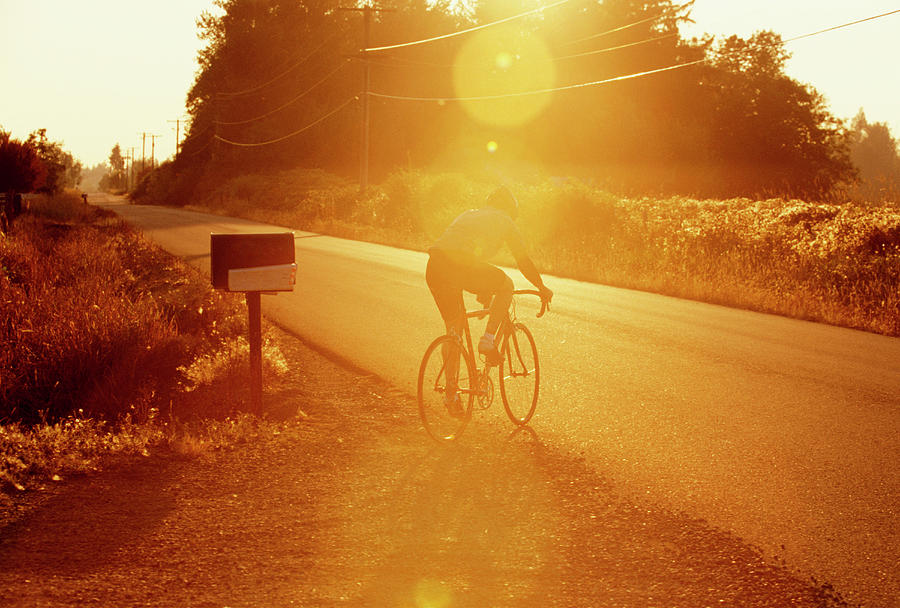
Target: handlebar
545,304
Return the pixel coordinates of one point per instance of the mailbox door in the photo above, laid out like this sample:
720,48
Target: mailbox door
231,251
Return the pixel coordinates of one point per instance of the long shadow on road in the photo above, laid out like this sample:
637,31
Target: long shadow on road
506,520
352,505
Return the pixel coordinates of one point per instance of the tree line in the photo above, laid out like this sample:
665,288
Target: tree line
281,84
36,164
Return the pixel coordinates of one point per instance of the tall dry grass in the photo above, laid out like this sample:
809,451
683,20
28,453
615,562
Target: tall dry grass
97,322
109,346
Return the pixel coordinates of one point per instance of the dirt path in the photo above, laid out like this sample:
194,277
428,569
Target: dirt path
354,506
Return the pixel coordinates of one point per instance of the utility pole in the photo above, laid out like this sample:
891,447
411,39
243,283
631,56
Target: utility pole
132,165
143,149
177,122
153,150
127,167
368,10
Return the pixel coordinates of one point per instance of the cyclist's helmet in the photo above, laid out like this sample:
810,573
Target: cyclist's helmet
504,200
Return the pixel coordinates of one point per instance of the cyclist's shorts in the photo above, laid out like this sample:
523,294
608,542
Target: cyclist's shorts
448,275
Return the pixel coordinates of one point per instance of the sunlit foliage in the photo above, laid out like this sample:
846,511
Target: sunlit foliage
21,169
877,155
835,263
733,125
95,320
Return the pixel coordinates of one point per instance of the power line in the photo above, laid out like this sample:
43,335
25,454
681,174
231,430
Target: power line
200,149
618,47
466,31
282,74
521,93
837,27
289,135
625,27
402,62
607,80
542,91
279,108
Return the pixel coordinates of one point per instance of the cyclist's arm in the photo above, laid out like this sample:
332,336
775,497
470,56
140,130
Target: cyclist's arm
530,271
523,261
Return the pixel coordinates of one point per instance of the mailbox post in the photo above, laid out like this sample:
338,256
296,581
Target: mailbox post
253,264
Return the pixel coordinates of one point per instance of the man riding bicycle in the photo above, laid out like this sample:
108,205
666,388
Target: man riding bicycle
458,261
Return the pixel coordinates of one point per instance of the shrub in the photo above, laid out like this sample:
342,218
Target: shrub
96,320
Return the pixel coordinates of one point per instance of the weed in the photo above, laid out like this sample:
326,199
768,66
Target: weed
100,332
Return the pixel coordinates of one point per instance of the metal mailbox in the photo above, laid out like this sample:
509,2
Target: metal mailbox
253,262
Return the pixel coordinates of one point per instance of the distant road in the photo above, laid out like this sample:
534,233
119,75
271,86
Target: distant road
783,432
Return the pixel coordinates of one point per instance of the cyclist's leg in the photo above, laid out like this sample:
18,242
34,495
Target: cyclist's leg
500,305
442,279
484,278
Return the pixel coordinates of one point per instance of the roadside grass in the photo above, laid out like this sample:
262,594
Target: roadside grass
110,347
830,263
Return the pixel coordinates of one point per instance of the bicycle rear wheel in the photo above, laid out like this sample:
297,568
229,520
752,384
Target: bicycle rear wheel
444,360
520,374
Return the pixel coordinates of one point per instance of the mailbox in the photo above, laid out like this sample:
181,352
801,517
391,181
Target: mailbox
253,262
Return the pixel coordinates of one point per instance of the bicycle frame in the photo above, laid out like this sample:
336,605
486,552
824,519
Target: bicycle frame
502,333
477,387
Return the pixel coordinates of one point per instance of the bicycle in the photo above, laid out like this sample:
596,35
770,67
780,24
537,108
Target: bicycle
453,355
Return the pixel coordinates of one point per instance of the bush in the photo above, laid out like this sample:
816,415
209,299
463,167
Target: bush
95,320
166,185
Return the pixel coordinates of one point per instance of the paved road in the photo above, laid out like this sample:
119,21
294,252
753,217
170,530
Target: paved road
785,433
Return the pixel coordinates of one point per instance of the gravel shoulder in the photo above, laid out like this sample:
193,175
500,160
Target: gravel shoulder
353,505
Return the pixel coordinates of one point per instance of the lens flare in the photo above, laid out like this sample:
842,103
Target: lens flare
504,60
500,63
432,594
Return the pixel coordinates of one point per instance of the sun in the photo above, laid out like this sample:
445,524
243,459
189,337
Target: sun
505,64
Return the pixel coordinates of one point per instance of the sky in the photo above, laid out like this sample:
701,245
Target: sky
99,72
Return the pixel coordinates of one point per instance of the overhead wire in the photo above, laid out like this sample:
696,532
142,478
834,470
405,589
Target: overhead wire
286,104
837,27
289,135
198,150
465,31
403,62
282,74
606,80
617,47
541,91
520,93
592,37
622,27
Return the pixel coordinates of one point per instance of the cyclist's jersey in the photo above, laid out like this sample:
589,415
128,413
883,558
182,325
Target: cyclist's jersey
478,234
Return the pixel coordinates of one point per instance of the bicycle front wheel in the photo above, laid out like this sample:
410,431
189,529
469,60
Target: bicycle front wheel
445,391
520,374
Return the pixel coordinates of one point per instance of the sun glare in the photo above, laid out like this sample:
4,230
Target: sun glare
498,62
432,594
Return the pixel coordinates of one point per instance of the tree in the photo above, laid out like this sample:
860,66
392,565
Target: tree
875,153
91,177
771,133
117,175
21,168
275,79
63,171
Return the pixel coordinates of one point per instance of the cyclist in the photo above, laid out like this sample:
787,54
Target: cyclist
458,261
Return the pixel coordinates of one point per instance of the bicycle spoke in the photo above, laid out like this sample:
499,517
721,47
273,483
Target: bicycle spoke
444,394
519,375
